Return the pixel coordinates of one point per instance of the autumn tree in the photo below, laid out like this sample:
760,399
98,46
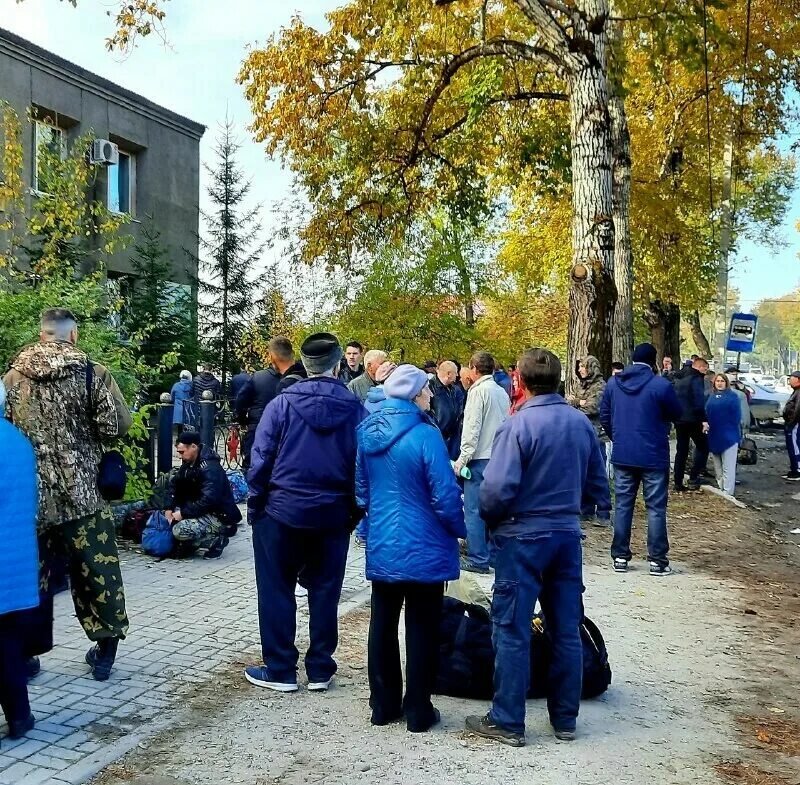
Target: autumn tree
230,247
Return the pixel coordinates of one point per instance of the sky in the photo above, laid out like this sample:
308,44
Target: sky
195,75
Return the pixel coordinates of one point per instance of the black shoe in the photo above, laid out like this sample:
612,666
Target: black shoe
216,548
693,485
679,489
18,728
468,566
483,726
793,476
435,719
32,667
564,735
100,658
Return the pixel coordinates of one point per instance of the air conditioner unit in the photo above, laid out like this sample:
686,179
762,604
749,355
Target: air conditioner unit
104,153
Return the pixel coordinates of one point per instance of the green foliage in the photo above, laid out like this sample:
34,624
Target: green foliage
132,450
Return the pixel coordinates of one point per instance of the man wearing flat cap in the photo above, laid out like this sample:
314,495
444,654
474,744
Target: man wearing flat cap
302,507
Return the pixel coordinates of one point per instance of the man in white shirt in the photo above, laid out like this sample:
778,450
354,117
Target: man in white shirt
486,410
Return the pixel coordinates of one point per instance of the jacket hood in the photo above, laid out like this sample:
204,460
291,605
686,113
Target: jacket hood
325,404
50,361
208,455
633,379
592,366
388,425
376,394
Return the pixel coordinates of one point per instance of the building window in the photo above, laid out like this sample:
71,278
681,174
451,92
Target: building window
48,148
120,184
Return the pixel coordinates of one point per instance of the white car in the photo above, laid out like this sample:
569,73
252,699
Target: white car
782,385
768,382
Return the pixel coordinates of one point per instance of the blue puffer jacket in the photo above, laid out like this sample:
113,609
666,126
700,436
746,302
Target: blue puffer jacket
19,557
723,414
375,398
636,410
181,393
406,484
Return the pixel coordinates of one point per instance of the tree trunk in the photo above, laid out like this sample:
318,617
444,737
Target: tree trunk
592,294
464,280
664,321
698,336
623,254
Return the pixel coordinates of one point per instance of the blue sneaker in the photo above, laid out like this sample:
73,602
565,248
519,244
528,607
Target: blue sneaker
259,675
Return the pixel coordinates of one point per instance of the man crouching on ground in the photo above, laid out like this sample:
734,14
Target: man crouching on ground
545,460
302,507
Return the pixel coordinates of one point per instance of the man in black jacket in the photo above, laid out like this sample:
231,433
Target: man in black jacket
446,406
791,426
691,426
206,381
263,386
200,503
351,366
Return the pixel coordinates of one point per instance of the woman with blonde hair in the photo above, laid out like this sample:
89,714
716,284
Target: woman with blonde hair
723,414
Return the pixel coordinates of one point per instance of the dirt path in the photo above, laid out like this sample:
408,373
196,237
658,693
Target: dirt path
705,688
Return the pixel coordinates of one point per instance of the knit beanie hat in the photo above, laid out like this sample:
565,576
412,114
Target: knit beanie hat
645,353
320,353
405,382
384,371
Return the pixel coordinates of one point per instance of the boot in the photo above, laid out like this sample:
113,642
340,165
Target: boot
18,728
32,667
101,656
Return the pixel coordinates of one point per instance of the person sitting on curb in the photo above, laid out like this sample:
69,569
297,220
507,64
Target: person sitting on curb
200,501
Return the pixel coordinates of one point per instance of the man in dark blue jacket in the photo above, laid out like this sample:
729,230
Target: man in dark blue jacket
302,507
691,425
636,411
545,460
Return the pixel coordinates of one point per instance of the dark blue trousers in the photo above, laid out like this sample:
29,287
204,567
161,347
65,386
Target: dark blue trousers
13,677
546,567
283,556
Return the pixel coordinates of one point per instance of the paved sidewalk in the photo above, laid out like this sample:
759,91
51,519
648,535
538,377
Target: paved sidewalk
188,618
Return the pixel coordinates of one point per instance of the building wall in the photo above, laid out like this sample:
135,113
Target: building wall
165,146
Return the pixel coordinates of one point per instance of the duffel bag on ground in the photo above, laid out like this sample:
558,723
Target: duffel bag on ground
238,485
748,452
157,539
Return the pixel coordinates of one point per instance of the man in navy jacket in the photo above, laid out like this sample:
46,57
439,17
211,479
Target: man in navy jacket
302,507
636,411
545,461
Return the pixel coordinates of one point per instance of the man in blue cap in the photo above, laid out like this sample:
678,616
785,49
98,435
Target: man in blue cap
636,411
302,507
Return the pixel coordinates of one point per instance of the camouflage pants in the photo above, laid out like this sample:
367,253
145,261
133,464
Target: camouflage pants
201,531
89,549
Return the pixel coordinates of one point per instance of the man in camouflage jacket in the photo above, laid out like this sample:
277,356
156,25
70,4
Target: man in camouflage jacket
49,401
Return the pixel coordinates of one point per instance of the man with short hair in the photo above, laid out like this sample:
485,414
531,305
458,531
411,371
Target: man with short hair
445,406
545,463
351,367
791,428
263,386
617,367
302,508
205,381
487,408
667,371
636,410
200,502
361,386
691,425
70,411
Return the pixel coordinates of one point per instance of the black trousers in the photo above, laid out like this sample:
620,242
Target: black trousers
13,676
422,616
685,434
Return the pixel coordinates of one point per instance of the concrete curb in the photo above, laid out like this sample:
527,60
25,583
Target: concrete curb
723,495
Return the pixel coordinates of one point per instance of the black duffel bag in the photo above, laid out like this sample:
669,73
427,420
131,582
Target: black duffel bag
748,452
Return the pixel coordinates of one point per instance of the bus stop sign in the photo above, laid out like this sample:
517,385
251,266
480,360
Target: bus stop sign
742,333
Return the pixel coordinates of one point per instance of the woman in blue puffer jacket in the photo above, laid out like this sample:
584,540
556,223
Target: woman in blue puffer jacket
406,484
19,570
181,394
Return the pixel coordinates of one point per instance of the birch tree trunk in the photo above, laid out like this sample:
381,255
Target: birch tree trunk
622,343
592,294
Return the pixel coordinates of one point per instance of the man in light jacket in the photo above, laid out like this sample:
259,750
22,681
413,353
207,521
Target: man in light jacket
361,385
486,410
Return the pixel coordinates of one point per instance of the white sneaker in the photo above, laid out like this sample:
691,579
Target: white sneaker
320,686
300,591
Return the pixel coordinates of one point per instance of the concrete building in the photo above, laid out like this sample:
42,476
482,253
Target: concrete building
158,169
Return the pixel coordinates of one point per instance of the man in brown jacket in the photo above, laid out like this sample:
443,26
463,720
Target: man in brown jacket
68,424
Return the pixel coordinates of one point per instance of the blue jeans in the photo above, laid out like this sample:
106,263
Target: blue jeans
283,555
544,567
654,483
591,510
477,532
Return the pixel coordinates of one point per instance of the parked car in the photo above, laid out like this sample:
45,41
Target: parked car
765,405
768,382
782,385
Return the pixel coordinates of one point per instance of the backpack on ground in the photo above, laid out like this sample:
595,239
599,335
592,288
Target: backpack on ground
134,524
157,539
748,452
238,485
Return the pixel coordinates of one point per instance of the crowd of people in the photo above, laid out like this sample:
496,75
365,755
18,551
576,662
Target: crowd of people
423,463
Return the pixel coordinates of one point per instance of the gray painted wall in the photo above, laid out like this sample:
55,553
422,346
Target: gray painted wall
166,145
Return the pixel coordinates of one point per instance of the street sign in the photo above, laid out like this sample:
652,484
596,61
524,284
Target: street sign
742,333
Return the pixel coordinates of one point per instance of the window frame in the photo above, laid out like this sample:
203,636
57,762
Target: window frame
50,126
131,158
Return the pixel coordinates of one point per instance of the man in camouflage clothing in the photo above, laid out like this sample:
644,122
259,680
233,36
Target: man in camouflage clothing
49,401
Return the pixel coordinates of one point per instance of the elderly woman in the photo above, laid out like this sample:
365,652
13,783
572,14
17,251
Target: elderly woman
405,483
19,571
723,414
181,395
